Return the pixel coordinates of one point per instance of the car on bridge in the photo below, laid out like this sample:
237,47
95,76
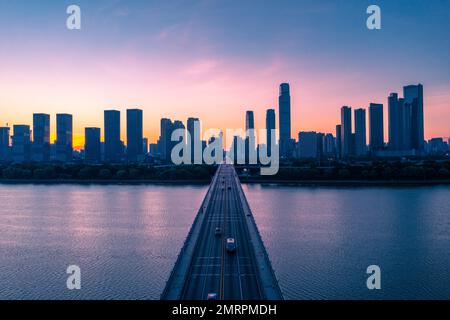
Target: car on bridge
218,232
212,296
231,245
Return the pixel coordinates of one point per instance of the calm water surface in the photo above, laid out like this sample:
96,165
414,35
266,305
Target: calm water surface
320,240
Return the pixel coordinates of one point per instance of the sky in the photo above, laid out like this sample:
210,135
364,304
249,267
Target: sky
216,59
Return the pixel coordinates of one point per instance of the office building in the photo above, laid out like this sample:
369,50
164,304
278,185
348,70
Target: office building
21,143
270,126
360,133
346,132
64,136
92,146
338,141
413,95
308,145
113,145
134,135
329,145
376,127
145,146
250,139
194,130
41,138
4,144
284,112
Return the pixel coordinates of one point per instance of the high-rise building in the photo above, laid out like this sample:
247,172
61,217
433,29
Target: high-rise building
346,131
193,127
250,141
376,127
41,138
249,120
413,95
21,143
177,125
165,139
400,118
339,141
329,145
270,125
135,135
360,133
395,122
64,136
308,145
92,146
145,146
4,144
113,148
284,102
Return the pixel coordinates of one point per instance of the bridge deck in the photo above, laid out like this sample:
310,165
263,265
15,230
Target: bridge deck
205,266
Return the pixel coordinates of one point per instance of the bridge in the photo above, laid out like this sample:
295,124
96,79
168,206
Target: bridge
210,265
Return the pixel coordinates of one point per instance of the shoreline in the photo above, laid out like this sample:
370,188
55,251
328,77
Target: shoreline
243,181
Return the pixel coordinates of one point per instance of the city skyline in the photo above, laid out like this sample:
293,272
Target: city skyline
354,125
178,65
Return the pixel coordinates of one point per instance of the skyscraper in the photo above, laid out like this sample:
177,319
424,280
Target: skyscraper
113,148
177,125
193,127
346,131
64,137
395,122
270,125
165,139
413,95
339,141
135,135
4,144
284,103
21,143
92,146
41,137
376,127
250,135
329,148
360,132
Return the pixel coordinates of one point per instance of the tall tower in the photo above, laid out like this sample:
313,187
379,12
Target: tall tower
21,143
41,137
284,103
270,125
4,144
413,95
250,135
376,128
360,132
92,146
64,137
135,135
338,141
112,136
346,131
193,127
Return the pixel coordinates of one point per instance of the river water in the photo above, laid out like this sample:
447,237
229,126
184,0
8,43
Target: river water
320,240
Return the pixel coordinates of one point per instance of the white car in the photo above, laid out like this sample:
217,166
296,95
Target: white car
231,245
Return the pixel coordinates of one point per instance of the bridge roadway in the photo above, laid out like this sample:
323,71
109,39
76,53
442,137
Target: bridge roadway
206,267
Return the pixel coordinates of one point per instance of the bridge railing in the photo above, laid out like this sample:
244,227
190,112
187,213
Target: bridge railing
166,294
276,294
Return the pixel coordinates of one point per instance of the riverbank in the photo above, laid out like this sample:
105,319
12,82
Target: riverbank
104,182
348,182
243,180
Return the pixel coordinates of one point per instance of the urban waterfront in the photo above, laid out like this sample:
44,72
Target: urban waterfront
320,240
